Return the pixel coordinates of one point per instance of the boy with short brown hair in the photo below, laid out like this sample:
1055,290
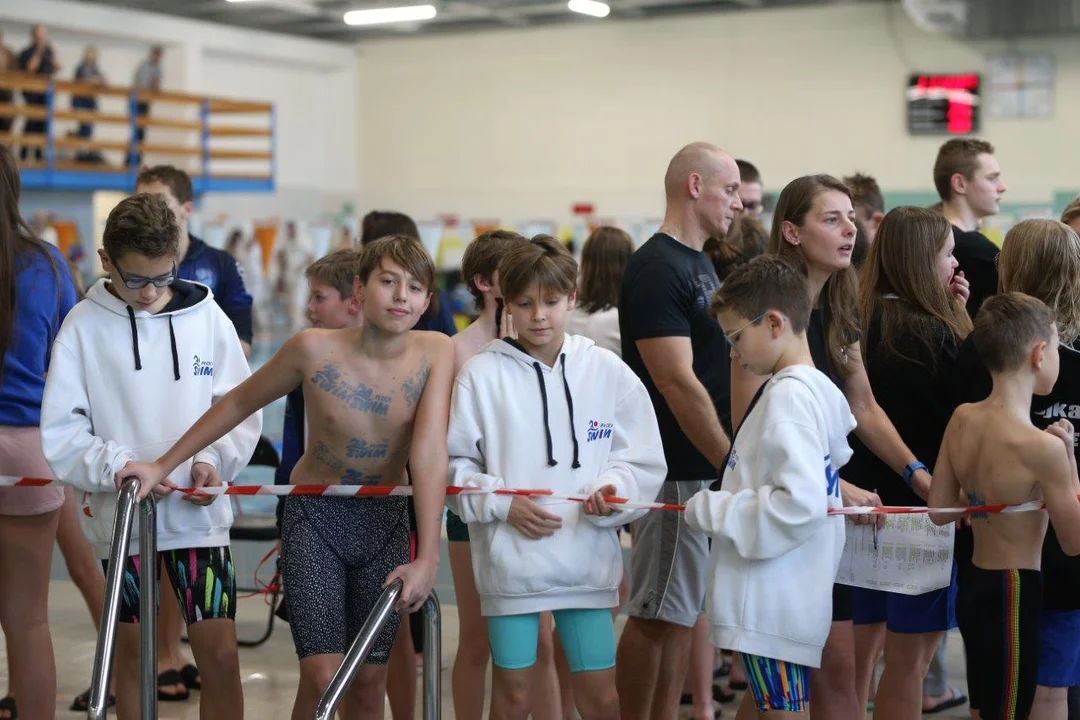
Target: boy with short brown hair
992,454
378,398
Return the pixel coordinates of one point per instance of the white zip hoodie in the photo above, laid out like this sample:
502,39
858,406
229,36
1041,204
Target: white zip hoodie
573,428
124,385
775,551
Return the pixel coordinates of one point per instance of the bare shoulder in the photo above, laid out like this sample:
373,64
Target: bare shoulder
432,342
1042,452
305,344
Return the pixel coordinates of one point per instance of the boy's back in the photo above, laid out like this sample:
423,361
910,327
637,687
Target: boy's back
993,454
998,460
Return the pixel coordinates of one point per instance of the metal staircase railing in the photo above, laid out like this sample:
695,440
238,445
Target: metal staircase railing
148,592
361,647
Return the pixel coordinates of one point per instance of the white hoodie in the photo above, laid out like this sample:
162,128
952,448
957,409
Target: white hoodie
517,423
125,385
775,551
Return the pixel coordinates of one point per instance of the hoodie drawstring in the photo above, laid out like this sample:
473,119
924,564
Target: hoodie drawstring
135,344
547,425
175,356
570,407
134,338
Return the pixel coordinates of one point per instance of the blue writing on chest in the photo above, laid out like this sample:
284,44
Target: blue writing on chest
832,478
203,367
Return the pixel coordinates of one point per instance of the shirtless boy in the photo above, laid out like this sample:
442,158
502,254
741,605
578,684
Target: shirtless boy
993,454
377,396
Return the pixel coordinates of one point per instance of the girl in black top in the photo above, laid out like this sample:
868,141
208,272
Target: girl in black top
913,321
1041,258
814,223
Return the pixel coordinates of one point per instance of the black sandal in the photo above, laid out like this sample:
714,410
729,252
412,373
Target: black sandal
168,679
192,679
81,703
8,705
722,695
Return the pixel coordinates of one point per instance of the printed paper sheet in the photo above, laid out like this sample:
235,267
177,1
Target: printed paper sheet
913,556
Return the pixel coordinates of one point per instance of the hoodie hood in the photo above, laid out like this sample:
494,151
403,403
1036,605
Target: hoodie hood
187,297
573,347
839,421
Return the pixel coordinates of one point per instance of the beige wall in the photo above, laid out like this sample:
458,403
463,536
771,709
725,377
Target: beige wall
519,124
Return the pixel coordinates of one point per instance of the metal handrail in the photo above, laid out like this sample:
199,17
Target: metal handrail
148,591
364,642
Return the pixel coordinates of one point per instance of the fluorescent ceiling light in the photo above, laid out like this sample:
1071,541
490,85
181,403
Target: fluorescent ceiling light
377,16
589,7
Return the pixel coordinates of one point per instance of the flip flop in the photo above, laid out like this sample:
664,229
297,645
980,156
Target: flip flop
958,698
191,677
8,705
170,678
722,695
81,703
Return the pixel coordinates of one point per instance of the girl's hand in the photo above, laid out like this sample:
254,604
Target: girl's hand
960,287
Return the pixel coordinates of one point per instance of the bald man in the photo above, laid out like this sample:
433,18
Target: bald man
679,352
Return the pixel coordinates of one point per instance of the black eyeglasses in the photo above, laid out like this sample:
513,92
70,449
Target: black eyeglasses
138,282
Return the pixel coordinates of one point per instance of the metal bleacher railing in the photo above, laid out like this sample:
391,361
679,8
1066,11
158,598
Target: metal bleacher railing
361,647
148,595
204,141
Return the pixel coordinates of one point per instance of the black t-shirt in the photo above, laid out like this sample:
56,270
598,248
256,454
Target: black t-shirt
1061,573
913,386
977,257
666,290
816,338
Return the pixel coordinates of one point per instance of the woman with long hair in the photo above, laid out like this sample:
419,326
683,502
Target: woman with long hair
913,321
1040,258
603,260
814,225
36,293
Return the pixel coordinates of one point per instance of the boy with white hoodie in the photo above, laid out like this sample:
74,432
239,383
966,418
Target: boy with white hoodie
133,366
551,411
775,550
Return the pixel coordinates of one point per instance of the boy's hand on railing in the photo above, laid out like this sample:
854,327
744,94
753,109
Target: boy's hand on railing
203,475
150,476
531,520
417,578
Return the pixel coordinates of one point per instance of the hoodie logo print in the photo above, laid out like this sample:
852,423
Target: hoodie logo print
832,478
599,431
203,367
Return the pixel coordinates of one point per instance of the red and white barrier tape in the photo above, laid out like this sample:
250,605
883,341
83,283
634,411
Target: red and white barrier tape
399,490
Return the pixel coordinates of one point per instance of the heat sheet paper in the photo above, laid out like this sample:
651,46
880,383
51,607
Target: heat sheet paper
912,555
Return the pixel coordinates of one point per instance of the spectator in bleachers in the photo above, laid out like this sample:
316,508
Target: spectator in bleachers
40,59
147,77
7,63
87,72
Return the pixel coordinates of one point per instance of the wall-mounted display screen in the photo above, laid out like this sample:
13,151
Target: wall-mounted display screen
943,104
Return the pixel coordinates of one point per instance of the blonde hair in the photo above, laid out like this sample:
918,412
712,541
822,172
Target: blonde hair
1041,258
1071,211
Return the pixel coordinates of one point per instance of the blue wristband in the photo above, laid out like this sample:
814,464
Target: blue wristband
911,470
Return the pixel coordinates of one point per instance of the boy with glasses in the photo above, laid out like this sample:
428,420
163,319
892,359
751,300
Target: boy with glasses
772,538
133,366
